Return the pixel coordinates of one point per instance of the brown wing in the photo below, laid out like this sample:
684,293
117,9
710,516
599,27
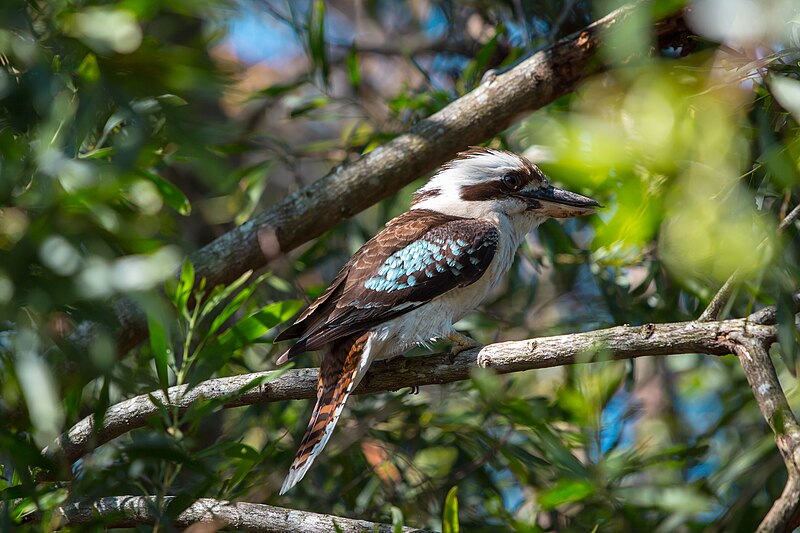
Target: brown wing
419,256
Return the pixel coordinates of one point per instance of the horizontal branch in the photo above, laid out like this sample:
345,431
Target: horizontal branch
622,342
483,113
130,511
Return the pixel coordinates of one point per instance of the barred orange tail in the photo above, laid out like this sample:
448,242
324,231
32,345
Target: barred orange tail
340,371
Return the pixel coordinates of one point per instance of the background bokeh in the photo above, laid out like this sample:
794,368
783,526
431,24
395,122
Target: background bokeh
133,132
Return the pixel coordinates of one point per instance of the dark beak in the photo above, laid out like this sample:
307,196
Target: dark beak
558,203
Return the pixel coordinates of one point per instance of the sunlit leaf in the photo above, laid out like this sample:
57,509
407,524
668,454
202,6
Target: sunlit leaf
565,491
172,195
255,326
450,522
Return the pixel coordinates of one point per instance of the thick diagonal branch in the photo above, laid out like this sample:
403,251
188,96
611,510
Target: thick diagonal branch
486,111
131,511
757,365
623,342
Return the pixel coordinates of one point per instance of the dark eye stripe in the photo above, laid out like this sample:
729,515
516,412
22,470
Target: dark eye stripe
479,192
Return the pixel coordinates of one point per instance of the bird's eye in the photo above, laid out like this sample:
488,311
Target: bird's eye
545,183
512,181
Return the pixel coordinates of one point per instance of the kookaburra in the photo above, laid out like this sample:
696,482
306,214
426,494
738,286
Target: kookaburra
411,282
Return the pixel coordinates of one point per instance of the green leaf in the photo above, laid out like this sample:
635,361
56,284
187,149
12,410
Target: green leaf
677,499
245,332
185,287
397,520
160,346
306,106
436,461
172,195
237,450
236,303
251,188
89,70
172,100
277,90
351,62
450,515
565,491
98,154
221,292
316,40
255,326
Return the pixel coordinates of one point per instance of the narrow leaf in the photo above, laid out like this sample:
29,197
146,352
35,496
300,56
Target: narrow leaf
221,293
316,40
172,195
250,329
185,286
450,517
159,344
397,520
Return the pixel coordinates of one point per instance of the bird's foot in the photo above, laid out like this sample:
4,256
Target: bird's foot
414,390
460,343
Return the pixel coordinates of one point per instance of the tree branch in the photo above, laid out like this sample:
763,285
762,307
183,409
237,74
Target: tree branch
130,511
486,111
622,342
757,365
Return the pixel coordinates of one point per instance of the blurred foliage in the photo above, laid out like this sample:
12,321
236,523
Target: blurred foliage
135,131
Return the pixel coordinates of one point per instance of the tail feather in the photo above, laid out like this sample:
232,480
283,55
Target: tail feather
339,373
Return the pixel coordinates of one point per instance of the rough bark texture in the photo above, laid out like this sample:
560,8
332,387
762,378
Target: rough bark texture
784,516
130,511
486,111
622,342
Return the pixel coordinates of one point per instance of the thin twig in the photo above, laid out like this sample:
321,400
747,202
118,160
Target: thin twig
789,219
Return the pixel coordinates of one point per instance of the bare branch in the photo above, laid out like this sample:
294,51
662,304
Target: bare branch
721,298
622,342
789,219
486,111
757,365
130,511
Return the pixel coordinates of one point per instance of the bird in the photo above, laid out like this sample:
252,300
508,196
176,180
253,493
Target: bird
423,272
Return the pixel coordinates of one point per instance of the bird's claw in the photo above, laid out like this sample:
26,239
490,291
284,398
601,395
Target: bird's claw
414,390
461,343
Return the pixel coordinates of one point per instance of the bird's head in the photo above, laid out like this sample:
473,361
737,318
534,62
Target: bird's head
489,183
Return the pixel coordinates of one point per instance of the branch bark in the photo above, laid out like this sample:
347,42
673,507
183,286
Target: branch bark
757,365
622,342
486,111
130,511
